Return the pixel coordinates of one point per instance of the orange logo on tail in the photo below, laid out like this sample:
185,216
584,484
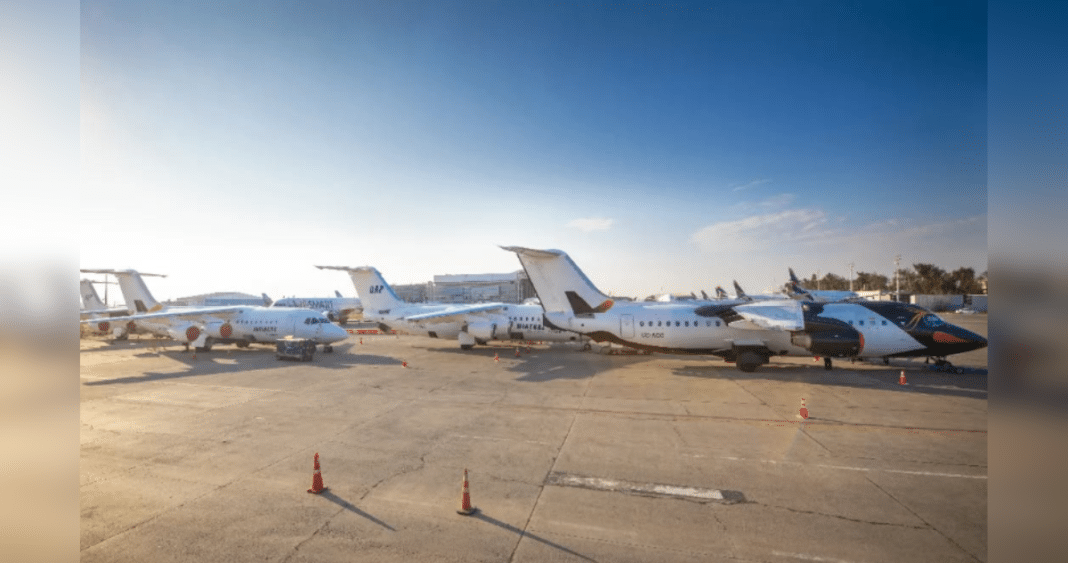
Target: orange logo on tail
604,306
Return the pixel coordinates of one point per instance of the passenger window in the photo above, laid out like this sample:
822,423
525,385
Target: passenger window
708,323
861,323
677,323
687,324
659,323
641,323
884,323
717,323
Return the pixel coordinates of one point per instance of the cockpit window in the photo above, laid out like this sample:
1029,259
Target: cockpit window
932,320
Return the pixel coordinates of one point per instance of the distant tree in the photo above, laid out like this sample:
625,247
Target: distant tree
833,282
964,281
931,279
866,281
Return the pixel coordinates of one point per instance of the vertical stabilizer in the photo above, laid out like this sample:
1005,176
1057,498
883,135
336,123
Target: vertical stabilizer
560,284
135,292
371,288
90,299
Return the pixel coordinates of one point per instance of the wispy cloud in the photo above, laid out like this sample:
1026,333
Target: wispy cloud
760,231
590,224
812,232
750,184
781,200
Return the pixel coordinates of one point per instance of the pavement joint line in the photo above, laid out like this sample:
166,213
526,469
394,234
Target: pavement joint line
812,421
845,467
846,518
922,519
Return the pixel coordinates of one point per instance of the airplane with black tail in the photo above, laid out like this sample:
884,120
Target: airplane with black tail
748,333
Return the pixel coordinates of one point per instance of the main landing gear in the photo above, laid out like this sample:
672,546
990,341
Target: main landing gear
826,363
942,364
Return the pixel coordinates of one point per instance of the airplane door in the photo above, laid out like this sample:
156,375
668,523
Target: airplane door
626,326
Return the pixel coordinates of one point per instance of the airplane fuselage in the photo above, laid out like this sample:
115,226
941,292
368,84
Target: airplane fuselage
511,322
884,329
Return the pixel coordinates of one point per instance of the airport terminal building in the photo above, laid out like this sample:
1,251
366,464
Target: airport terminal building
469,288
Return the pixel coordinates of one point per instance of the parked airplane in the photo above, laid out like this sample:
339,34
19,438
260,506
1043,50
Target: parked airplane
742,295
202,327
796,291
93,307
747,333
470,324
337,309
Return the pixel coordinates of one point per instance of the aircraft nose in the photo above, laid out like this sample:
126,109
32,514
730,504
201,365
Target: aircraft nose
336,333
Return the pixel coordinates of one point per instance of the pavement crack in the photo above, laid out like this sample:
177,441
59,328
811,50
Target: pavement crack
846,518
922,519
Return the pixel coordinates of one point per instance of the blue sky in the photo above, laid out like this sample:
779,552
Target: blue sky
666,147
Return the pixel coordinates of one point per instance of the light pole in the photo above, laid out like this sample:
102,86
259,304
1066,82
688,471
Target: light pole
897,280
850,276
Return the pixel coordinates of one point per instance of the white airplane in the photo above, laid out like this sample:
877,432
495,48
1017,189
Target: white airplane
337,309
202,327
748,333
796,291
469,324
93,307
742,295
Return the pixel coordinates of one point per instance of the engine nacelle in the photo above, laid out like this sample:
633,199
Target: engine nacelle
483,330
219,329
829,338
188,334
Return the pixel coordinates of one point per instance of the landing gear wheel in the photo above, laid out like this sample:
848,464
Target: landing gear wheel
242,344
466,346
749,361
587,347
826,363
328,349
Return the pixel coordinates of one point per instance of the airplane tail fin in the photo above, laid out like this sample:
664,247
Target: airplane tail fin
720,293
371,288
90,299
704,295
739,292
338,293
267,301
134,291
560,284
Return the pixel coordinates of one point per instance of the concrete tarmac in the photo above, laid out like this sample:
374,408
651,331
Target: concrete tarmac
572,456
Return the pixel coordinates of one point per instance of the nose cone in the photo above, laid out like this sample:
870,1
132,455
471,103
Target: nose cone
954,339
334,333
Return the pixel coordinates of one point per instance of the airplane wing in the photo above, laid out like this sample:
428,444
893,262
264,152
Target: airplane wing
785,314
192,312
458,313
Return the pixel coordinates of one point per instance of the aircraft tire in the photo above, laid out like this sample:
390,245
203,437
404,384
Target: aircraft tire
242,344
328,349
466,346
749,361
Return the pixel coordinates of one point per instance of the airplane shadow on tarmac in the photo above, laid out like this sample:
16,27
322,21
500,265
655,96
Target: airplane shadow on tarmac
973,385
521,533
330,496
225,359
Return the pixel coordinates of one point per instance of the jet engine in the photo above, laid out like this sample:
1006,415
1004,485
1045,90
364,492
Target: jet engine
219,329
189,334
483,330
829,338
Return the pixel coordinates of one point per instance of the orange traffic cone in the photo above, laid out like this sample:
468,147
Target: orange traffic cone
815,358
803,411
404,364
361,340
465,500
317,478
901,380
496,357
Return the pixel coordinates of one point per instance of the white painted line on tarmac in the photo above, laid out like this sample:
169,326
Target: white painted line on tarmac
849,468
468,437
620,486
